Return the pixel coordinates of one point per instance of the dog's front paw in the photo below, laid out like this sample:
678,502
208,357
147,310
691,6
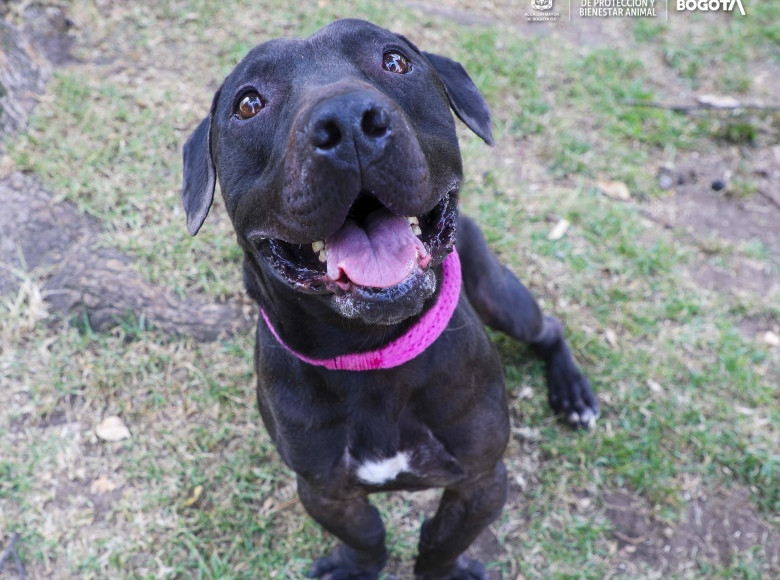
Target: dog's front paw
571,396
340,566
465,569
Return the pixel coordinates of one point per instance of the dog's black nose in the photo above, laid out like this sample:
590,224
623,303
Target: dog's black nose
326,134
375,122
341,125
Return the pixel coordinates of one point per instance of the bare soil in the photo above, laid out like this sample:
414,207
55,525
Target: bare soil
718,526
715,218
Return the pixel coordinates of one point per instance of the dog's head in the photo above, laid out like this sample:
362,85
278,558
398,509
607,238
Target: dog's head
339,165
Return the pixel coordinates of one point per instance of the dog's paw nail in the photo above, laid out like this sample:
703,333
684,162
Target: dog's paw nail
584,420
588,419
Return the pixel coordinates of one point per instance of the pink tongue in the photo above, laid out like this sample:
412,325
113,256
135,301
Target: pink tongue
380,254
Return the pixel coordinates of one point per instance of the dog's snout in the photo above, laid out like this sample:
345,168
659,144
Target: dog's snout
341,125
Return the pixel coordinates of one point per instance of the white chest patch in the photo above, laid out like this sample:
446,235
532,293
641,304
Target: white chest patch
383,470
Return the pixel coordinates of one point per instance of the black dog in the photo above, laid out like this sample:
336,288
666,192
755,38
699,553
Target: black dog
339,165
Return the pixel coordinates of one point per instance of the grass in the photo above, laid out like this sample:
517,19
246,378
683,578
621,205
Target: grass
689,401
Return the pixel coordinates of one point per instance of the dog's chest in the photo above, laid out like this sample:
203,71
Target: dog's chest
384,470
421,460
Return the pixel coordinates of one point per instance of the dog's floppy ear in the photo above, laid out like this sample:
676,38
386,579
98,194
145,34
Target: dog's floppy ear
465,98
199,173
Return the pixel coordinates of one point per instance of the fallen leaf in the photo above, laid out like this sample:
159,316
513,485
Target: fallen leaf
196,493
268,506
102,485
718,101
559,230
526,434
614,189
655,387
112,429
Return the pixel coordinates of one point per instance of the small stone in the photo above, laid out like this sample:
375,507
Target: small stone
770,338
665,181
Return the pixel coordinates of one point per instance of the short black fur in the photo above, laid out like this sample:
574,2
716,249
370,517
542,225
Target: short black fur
438,420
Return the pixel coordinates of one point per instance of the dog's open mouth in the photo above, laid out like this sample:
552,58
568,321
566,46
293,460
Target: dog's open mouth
374,251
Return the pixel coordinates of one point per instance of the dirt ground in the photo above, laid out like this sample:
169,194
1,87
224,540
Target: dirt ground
39,232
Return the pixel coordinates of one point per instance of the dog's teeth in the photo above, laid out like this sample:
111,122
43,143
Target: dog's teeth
413,220
319,249
416,230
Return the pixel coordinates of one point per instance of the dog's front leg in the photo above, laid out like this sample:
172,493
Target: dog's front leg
355,522
503,303
465,510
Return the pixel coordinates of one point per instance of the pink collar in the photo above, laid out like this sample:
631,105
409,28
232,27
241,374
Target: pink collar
407,346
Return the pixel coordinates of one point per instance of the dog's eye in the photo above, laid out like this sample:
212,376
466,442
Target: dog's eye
249,105
395,62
